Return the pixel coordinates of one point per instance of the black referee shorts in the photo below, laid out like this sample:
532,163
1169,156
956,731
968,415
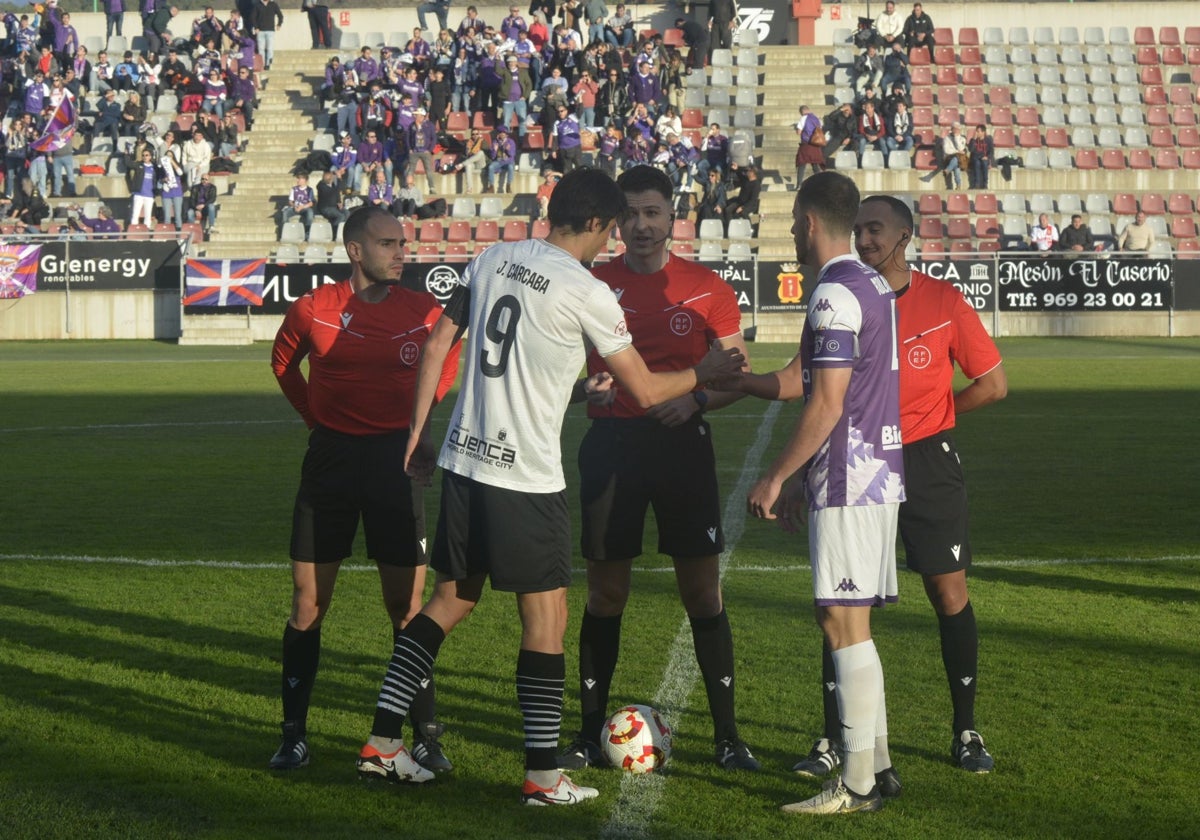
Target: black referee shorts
628,465
348,477
933,520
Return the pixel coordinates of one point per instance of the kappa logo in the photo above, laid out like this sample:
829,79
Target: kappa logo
823,305
727,681
346,316
712,534
967,680
955,550
590,684
847,585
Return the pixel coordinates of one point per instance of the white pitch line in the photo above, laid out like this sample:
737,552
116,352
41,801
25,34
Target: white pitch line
640,795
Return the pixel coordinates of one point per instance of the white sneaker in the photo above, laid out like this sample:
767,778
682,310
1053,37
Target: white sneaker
397,767
836,798
564,792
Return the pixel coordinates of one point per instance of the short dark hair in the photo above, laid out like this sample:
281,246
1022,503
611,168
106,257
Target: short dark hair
355,228
831,197
647,179
583,195
900,210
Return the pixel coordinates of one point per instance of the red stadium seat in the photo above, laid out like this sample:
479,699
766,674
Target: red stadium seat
922,117
948,116
988,246
487,231
480,247
483,120
973,96
969,57
1154,95
516,230
1001,115
1028,116
930,228
409,230
1196,71
929,204
1086,159
1147,55
540,229
692,118
1188,138
1188,249
958,204
1161,138
1143,35
1180,95
1193,55
959,228
460,231
683,230
1173,56
922,97
1191,36
962,246
1124,204
1190,159
987,228
685,250
673,38
933,248
921,76
1030,138
1003,138
943,35
999,95
976,115
944,56
1183,227
1057,138
431,230
458,121
985,204
1183,115
946,76
427,250
1168,36
968,36
534,141
456,249
924,136
1151,75
923,159
918,57
947,95
1140,159
1153,204
137,232
1180,204
1166,159
1158,115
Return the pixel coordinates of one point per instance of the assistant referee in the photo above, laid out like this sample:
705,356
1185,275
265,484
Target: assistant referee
362,338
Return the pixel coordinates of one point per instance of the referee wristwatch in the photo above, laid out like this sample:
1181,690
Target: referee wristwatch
701,398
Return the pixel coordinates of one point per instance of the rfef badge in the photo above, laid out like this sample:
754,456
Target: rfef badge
791,283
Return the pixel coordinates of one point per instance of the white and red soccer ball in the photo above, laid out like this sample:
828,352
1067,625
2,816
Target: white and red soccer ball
636,739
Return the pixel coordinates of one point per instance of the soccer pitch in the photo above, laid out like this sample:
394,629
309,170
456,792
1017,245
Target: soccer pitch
145,586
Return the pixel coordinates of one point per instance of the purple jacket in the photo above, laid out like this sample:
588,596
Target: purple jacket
241,90
370,152
644,89
504,151
422,138
367,69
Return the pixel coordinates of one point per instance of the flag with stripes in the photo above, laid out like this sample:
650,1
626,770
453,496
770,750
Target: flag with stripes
18,270
59,130
225,282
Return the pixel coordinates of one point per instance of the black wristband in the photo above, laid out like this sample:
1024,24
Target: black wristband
701,398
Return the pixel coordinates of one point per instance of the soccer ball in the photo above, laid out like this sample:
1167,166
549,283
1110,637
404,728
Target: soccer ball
636,739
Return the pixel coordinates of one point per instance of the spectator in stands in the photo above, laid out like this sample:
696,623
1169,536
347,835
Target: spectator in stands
422,137
144,178
566,142
489,81
673,81
474,160
82,68
889,27
714,150
440,8
228,143
62,162
515,89
104,224
891,103
808,153
158,26
868,69
608,150
374,113
545,191
595,12
173,73
982,155
335,81
108,120
870,132
840,127
696,36
301,202
202,204
1043,237
171,190
464,80
668,124
215,94
149,75
420,51
868,94
899,130
713,200
208,126
954,158
102,72
16,143
125,76
895,69
644,88
584,91
133,115
207,28
618,30
367,67
438,93
318,23
1138,237
918,30
114,18
513,24
28,208
637,149
612,100
745,203
722,20
503,157
344,158
267,18
240,42
241,96
197,156
471,23
66,39
380,191
370,158
1076,236
408,200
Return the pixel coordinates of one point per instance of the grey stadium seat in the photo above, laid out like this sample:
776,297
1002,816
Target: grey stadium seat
1068,35
1069,203
1082,138
1060,159
1040,203
1036,159
993,35
845,160
1043,35
1097,203
1094,35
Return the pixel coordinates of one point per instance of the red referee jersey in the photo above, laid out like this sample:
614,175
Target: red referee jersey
362,357
674,315
937,328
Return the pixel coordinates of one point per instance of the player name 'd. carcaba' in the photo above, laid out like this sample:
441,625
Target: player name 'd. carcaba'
524,276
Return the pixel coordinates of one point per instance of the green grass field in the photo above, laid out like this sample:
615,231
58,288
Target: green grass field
145,585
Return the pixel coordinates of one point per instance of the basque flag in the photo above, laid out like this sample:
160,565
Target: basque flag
18,270
225,282
60,128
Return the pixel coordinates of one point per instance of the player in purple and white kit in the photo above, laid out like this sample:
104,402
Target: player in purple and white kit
847,447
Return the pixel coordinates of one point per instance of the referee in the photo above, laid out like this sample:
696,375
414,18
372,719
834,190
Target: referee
362,338
531,307
937,329
633,458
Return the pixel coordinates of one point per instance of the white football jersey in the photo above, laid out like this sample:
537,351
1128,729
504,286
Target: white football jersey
533,307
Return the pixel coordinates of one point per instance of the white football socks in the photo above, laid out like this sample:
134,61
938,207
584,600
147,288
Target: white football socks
860,701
